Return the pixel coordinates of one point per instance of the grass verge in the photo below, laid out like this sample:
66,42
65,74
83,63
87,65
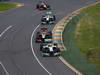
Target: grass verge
88,34
82,29
6,6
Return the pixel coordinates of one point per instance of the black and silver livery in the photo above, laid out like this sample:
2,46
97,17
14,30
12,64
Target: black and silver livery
49,49
48,19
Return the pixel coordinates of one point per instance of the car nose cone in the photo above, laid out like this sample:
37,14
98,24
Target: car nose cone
51,53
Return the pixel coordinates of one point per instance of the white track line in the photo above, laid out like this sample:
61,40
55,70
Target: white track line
4,68
5,30
35,54
0,61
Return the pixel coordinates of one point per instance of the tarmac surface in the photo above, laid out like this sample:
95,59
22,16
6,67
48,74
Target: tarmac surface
16,28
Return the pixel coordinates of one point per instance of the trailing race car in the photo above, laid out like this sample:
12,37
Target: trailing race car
49,49
44,36
48,18
43,6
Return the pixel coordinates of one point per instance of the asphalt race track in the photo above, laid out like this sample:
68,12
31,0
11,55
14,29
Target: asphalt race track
16,29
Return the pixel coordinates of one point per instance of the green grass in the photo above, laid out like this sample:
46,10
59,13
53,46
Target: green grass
81,39
6,6
88,34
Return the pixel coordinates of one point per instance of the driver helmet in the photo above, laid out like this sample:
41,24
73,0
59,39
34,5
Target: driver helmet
49,45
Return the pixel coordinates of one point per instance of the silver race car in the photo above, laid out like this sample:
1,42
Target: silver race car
48,19
49,49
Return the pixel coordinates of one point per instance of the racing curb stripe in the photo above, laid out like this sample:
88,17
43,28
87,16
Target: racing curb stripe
57,30
60,46
70,66
64,21
56,33
60,28
56,37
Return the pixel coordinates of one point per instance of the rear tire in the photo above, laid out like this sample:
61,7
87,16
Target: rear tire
43,55
37,7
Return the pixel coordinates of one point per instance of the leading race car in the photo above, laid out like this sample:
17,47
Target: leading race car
43,6
48,18
49,49
43,36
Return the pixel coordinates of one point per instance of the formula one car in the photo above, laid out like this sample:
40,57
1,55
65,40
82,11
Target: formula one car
49,49
43,6
48,18
44,36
